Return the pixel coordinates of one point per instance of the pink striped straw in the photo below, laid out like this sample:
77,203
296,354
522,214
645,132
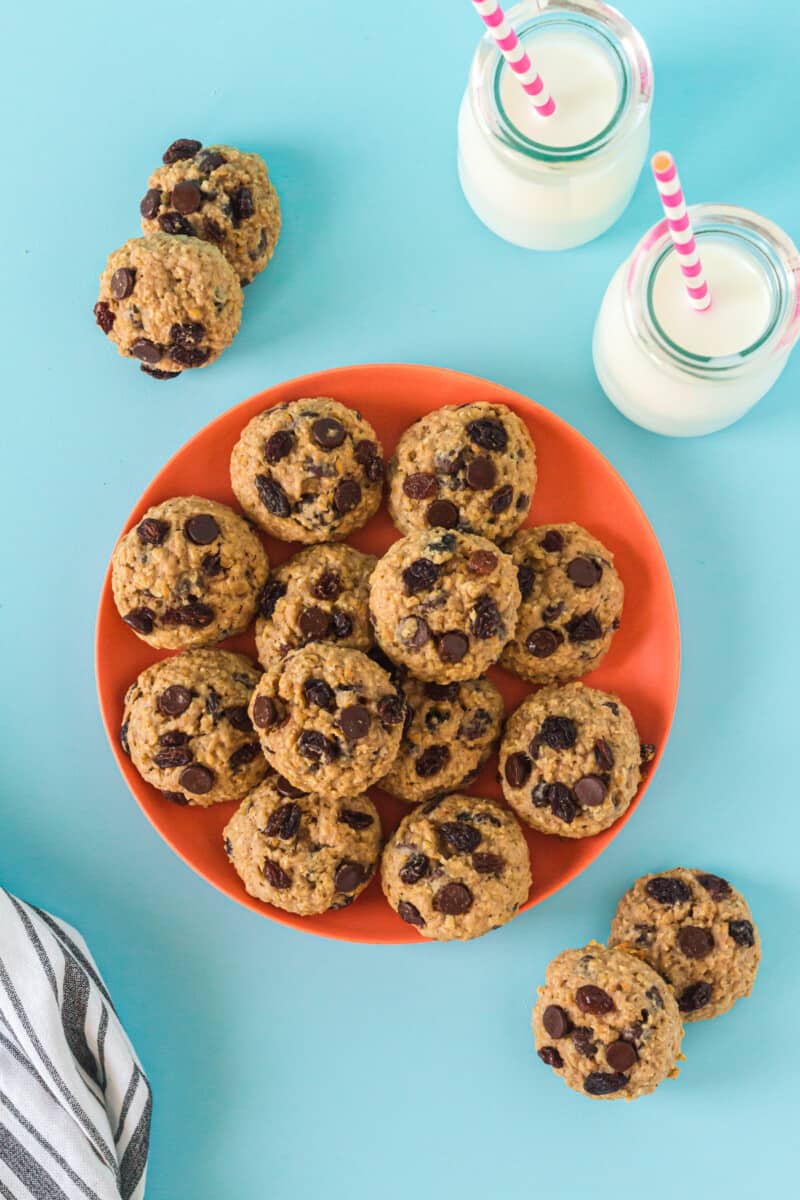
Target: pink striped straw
680,228
513,52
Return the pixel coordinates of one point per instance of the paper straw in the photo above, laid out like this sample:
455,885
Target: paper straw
680,228
512,51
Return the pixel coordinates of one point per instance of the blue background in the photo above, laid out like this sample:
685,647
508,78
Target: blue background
287,1066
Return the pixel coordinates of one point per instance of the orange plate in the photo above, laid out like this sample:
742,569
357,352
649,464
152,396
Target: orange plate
575,484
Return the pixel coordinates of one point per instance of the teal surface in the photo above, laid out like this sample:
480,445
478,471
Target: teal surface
285,1066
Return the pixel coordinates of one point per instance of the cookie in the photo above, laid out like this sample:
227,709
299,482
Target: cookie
329,719
220,195
449,732
187,730
319,595
571,603
169,302
570,760
697,932
443,604
470,467
308,470
607,1024
303,853
456,868
189,574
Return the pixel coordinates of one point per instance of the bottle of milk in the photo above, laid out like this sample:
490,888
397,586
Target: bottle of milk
550,183
680,372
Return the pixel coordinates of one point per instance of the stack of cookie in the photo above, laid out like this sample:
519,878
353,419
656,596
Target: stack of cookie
173,298
374,670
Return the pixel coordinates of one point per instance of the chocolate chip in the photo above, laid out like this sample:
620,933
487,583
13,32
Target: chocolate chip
197,779
621,1055
150,203
349,876
562,802
518,769
242,757
541,643
553,541
284,822
695,942
560,733
327,586
668,890
355,722
601,1083
442,691
420,576
583,1041
391,710
488,864
488,433
154,372
453,899
151,531
415,867
584,572
460,836
742,932
181,148
431,761
278,446
480,474
104,316
550,1056
443,513
420,486
452,646
347,496
314,745
328,433
487,622
355,819
202,529
173,222
592,999
313,623
525,579
197,615
265,712
237,715
242,206
482,562
556,1022
694,997
715,885
410,913
603,754
186,197
584,628
174,797
174,700
209,161
146,350
271,593
122,282
501,499
173,756
317,691
341,624
590,790
275,875
284,788
272,496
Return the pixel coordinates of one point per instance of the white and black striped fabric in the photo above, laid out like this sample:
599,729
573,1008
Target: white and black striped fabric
74,1102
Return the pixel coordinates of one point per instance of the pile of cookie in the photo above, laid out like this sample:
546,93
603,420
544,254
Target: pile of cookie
173,298
374,670
609,1020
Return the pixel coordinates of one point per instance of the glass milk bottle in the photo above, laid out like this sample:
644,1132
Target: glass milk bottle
549,183
680,372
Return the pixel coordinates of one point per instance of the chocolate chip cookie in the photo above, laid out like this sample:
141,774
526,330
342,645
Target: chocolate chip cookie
219,194
329,719
443,604
189,574
456,868
303,853
319,595
570,760
571,603
169,302
697,931
470,467
449,732
187,730
607,1024
308,470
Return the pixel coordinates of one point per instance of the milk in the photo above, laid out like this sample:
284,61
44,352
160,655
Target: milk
550,183
680,372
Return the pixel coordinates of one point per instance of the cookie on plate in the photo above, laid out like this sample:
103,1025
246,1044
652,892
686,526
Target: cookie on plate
304,853
308,470
456,868
320,594
219,194
329,719
697,932
187,730
470,467
571,603
188,574
607,1024
570,760
443,604
169,302
449,732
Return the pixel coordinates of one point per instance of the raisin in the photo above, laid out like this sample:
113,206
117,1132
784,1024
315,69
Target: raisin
560,733
415,867
272,496
460,836
488,433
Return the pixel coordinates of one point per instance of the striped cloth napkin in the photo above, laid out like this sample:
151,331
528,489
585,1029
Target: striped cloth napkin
74,1102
